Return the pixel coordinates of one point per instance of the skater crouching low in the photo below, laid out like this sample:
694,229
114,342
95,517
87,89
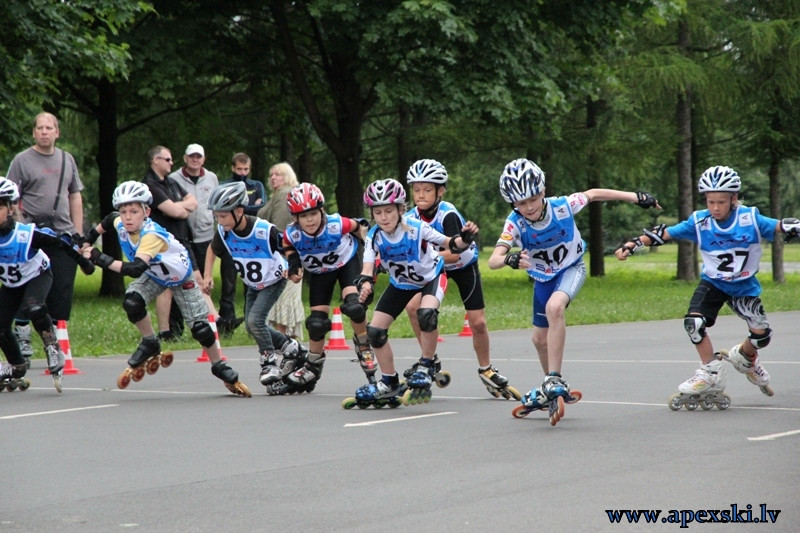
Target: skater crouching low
729,236
158,262
26,278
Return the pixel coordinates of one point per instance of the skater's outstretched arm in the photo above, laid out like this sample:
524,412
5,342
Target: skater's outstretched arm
655,236
642,199
502,256
44,241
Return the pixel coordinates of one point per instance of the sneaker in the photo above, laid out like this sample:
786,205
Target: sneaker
491,378
270,368
55,358
708,378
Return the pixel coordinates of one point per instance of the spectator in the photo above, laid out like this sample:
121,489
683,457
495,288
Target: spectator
288,314
171,208
198,181
50,196
256,197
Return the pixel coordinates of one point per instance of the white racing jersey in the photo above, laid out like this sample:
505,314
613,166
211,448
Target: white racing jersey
255,261
329,250
410,256
170,267
465,258
16,268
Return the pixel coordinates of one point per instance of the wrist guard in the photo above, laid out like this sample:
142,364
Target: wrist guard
512,259
791,227
361,279
637,244
87,267
100,259
454,248
294,264
656,235
645,200
89,238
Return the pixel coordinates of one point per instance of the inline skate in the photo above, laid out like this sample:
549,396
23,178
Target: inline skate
752,369
377,395
366,357
304,379
441,377
146,359
704,389
497,385
23,334
230,377
277,368
55,364
12,377
553,395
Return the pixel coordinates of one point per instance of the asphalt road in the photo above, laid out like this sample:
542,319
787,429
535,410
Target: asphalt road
177,452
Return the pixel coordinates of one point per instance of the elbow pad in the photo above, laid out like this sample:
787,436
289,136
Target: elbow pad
135,268
108,222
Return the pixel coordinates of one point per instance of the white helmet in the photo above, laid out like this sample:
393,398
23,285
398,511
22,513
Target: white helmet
130,192
228,196
520,180
427,171
719,179
8,190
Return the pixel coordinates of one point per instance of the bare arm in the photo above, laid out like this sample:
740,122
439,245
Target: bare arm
76,211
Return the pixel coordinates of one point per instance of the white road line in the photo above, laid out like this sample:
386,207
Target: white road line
775,435
10,417
403,419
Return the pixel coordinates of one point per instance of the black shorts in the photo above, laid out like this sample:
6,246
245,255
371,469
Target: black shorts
707,300
469,284
393,301
320,286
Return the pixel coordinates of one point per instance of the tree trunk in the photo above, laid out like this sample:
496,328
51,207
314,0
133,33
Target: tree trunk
687,265
112,284
597,266
775,212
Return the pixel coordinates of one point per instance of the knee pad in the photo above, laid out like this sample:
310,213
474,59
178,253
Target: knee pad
377,336
353,309
428,318
760,340
318,325
695,326
134,306
202,333
39,317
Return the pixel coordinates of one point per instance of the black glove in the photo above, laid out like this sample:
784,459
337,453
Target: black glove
294,264
466,236
512,259
87,267
100,259
89,238
645,200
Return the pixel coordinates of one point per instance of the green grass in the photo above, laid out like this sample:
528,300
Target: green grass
640,289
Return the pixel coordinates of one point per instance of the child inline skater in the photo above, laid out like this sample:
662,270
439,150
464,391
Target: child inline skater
26,278
729,236
326,247
428,181
408,250
552,252
158,262
254,246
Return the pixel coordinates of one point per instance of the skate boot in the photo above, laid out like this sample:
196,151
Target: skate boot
23,334
384,392
146,359
305,378
440,377
366,357
230,377
55,364
419,381
751,368
558,395
705,389
12,377
497,385
534,400
270,367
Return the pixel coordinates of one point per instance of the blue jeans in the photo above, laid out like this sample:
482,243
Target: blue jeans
257,304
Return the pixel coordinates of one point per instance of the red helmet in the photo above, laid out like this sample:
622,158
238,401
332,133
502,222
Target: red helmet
305,197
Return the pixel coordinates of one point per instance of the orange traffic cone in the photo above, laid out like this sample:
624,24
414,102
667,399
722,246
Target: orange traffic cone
336,340
63,341
466,331
204,356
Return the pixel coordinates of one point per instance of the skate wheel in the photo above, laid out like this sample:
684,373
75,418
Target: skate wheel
674,402
691,405
724,403
11,386
493,392
442,379
24,384
57,384
348,403
166,359
152,365
124,379
379,404
576,397
706,404
138,374
766,389
407,397
243,390
394,403
512,393
520,411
